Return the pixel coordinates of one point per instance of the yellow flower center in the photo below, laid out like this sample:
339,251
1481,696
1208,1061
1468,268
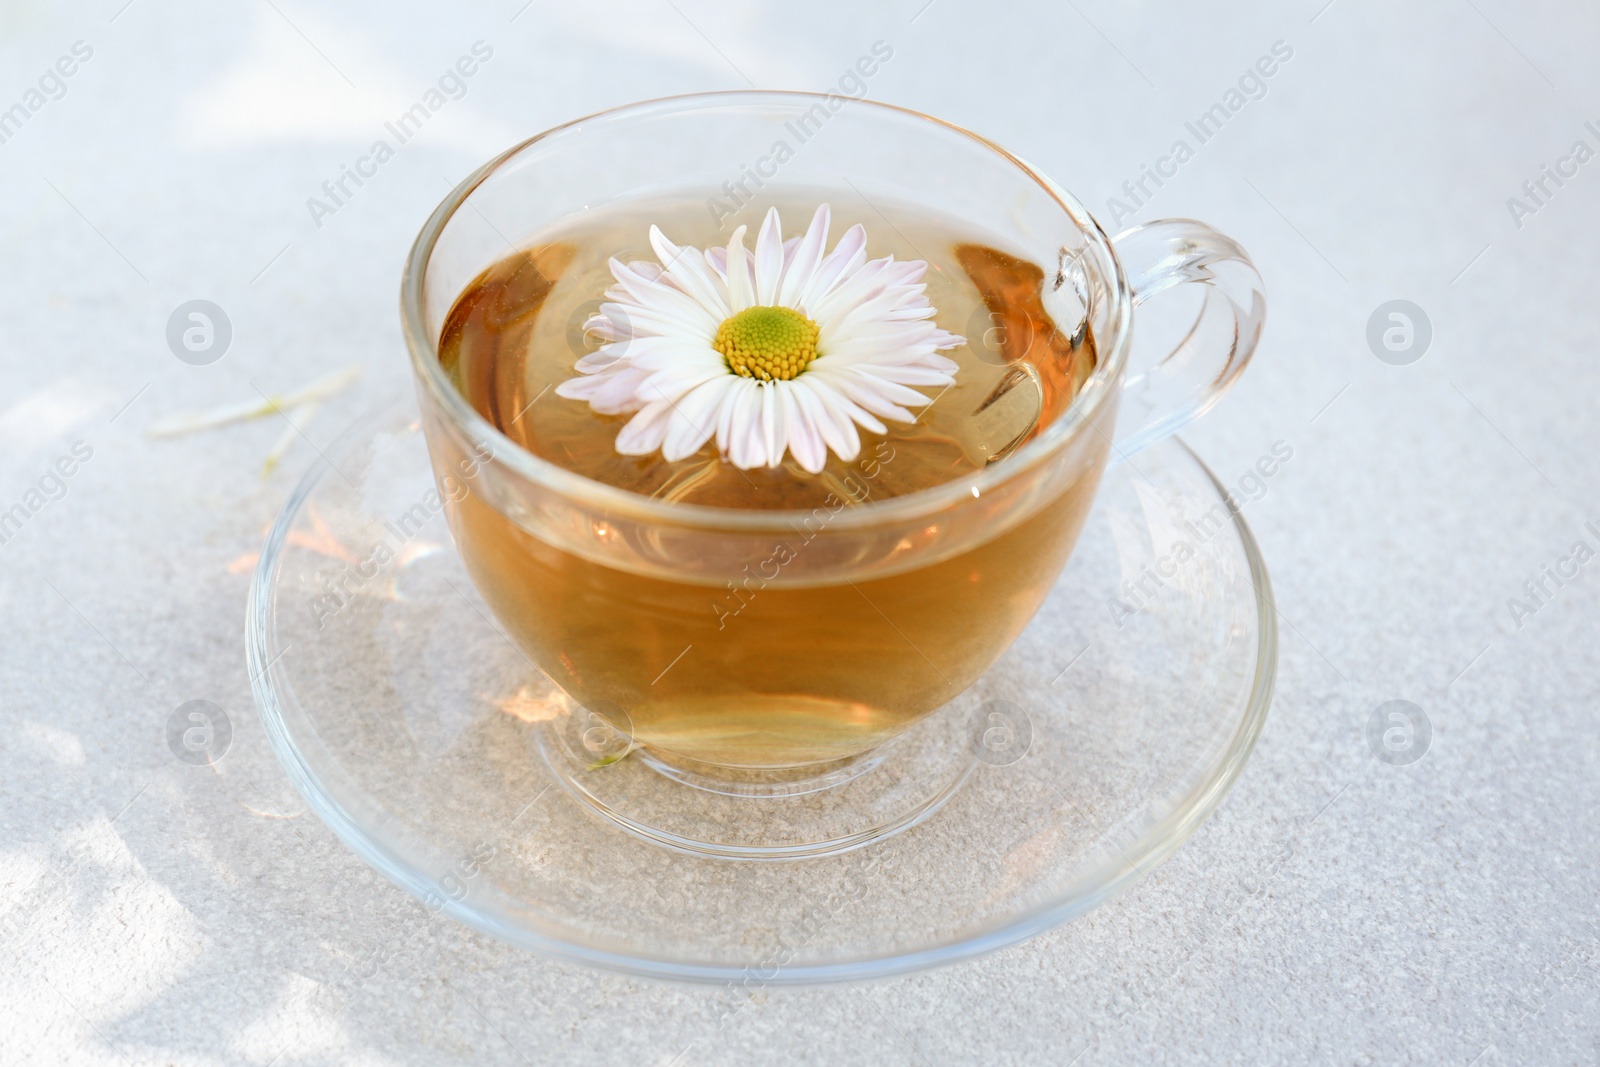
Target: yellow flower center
769,343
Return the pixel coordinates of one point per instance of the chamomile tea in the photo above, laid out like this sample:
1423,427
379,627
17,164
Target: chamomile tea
783,372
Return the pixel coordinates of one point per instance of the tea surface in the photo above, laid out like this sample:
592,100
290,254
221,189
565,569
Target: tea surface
516,332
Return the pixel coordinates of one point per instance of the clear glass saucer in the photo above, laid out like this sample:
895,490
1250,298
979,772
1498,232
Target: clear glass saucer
1105,736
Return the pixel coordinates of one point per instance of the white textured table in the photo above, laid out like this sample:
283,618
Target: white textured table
1340,908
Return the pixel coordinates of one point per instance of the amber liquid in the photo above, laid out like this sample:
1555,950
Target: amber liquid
765,672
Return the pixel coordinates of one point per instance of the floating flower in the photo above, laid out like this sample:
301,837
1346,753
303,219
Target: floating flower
787,350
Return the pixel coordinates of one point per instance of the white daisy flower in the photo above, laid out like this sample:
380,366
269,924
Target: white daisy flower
784,351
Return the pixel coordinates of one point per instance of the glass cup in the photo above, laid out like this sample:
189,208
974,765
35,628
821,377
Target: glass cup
853,620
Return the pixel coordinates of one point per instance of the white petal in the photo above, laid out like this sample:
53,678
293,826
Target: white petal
854,309
855,291
847,255
674,382
729,409
805,443
774,434
578,388
670,312
847,413
891,391
668,304
690,271
646,269
912,271
769,260
616,394
661,353
645,431
694,418
602,327
741,294
835,428
597,361
802,264
745,444
911,374
643,322
910,312
865,394
882,347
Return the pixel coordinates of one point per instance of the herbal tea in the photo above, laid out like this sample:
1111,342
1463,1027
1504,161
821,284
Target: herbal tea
764,669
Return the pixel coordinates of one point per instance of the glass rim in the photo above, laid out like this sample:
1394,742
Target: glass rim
1100,388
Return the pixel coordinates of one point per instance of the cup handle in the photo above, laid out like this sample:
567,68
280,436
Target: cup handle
1168,396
